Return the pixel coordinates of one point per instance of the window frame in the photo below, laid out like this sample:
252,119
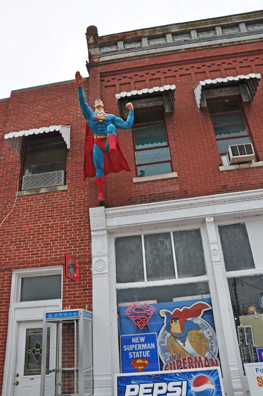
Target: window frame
241,110
29,273
169,282
47,137
144,124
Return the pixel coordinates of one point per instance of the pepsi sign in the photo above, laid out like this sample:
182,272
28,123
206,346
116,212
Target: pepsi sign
198,382
202,386
161,388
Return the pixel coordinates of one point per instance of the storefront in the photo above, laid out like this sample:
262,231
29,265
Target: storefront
185,281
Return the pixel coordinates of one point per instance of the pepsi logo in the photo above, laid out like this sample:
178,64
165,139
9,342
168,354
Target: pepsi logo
202,386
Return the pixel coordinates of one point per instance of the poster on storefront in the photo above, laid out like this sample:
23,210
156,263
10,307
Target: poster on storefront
185,328
139,353
260,354
198,382
254,373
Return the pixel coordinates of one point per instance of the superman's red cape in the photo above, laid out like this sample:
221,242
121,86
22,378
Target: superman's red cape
109,166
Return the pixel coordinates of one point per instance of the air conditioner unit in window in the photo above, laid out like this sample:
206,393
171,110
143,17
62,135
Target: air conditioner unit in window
40,180
240,153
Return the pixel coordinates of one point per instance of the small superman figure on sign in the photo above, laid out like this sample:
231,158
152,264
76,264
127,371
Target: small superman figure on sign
103,153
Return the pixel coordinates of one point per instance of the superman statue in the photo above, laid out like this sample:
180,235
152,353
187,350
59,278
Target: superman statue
103,153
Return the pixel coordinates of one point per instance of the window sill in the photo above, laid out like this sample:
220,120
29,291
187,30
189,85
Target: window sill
41,190
241,166
172,175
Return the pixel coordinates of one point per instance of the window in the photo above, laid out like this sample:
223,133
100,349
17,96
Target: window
228,122
45,159
236,247
152,154
38,288
246,295
46,154
159,256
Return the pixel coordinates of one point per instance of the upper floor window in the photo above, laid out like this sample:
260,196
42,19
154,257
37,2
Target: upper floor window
229,124
43,153
44,163
152,154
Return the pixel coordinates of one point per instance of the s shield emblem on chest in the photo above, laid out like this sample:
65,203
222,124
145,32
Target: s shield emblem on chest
100,116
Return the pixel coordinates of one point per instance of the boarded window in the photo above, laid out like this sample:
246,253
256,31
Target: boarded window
159,257
129,261
236,247
189,253
166,256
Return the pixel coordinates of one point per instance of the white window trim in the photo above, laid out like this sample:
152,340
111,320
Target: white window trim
241,166
172,175
22,312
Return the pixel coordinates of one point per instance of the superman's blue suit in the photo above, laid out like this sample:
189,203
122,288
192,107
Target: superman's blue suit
102,143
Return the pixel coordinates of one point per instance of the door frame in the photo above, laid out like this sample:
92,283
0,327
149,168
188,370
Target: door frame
24,312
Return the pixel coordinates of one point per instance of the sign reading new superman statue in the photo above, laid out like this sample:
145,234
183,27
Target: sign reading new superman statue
103,153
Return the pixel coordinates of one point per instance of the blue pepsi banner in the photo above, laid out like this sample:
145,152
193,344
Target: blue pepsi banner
200,382
139,353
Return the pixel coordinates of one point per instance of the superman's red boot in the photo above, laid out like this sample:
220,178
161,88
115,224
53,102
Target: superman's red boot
100,183
112,142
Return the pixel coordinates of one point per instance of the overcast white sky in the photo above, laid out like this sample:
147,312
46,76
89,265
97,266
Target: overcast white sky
43,41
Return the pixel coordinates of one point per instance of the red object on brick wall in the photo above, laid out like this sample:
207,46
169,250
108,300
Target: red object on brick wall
71,268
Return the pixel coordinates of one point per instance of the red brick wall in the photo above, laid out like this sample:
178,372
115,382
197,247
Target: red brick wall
191,136
42,228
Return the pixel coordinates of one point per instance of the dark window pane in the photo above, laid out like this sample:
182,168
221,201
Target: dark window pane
33,351
129,261
46,156
149,130
162,293
224,144
230,130
43,168
227,118
189,253
223,106
50,142
155,169
159,257
154,155
41,288
148,116
150,141
150,136
236,247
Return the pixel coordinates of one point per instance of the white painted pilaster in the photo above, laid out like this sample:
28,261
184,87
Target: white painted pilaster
101,305
225,315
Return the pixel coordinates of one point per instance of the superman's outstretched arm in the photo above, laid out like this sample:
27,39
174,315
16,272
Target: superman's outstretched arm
119,123
86,110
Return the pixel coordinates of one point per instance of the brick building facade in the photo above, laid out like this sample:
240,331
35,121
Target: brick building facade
196,90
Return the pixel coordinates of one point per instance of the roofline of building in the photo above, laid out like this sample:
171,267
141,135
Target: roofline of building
176,27
44,86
